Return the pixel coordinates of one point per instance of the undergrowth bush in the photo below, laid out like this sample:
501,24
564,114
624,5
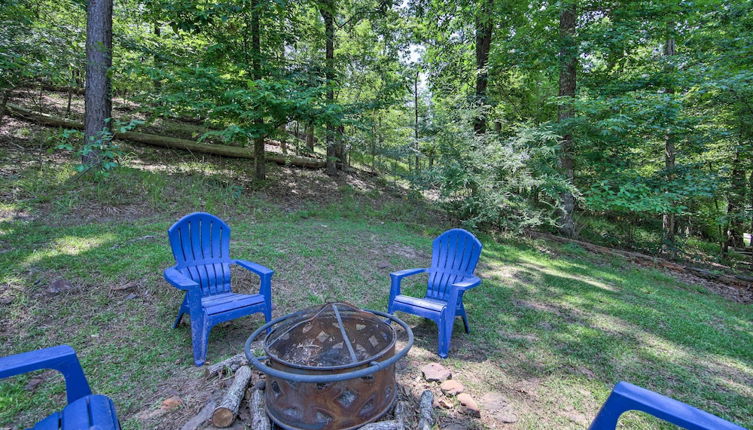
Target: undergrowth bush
504,181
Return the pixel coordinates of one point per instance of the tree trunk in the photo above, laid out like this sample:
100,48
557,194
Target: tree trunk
158,33
310,137
340,150
668,219
259,161
327,10
566,111
415,123
4,104
736,201
484,28
98,97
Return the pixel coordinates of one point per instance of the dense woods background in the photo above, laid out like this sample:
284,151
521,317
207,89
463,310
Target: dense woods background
626,123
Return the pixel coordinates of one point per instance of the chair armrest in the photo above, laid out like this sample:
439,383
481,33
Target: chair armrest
255,268
407,272
626,397
467,283
179,280
61,358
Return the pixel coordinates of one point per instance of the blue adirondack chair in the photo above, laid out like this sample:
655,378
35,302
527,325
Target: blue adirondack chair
454,257
628,397
201,247
85,410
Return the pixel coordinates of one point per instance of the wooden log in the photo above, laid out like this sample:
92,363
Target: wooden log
225,413
426,411
259,418
204,414
401,412
232,364
169,142
381,425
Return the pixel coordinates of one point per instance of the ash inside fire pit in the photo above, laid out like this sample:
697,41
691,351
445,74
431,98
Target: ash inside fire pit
330,336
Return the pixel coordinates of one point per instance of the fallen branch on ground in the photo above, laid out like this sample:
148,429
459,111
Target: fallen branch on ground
168,142
232,364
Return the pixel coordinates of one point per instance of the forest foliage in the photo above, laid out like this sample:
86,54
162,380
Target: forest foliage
640,112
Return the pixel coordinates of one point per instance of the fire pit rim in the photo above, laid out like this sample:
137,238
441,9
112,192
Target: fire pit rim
326,378
353,364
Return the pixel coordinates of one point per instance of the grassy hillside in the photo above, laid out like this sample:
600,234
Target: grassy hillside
553,327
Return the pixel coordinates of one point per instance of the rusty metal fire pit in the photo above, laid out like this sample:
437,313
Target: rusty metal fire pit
329,367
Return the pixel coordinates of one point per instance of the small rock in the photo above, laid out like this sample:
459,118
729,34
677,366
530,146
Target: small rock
383,265
470,406
436,372
506,416
131,296
172,403
497,407
452,387
455,426
6,300
58,286
494,401
442,403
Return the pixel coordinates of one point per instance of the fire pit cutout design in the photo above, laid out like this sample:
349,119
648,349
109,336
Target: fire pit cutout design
329,367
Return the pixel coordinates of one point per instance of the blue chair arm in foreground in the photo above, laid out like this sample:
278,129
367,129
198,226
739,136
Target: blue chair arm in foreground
84,410
628,397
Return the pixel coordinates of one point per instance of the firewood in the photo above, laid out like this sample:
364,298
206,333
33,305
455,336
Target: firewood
225,413
259,418
426,411
232,363
381,425
401,410
204,414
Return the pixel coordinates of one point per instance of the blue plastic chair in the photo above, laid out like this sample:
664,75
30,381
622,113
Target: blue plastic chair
201,247
454,258
84,410
628,397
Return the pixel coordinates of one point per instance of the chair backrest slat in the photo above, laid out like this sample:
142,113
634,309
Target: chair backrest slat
201,246
455,254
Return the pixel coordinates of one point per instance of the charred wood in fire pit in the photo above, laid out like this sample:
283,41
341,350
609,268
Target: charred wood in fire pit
232,364
259,418
225,413
426,411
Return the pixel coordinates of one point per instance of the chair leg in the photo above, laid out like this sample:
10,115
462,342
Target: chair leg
180,317
465,323
445,335
183,309
200,339
462,314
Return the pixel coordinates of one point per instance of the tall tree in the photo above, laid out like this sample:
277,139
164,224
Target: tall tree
668,218
98,97
484,28
259,159
568,63
327,10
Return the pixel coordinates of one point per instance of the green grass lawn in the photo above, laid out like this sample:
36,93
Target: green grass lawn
553,327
